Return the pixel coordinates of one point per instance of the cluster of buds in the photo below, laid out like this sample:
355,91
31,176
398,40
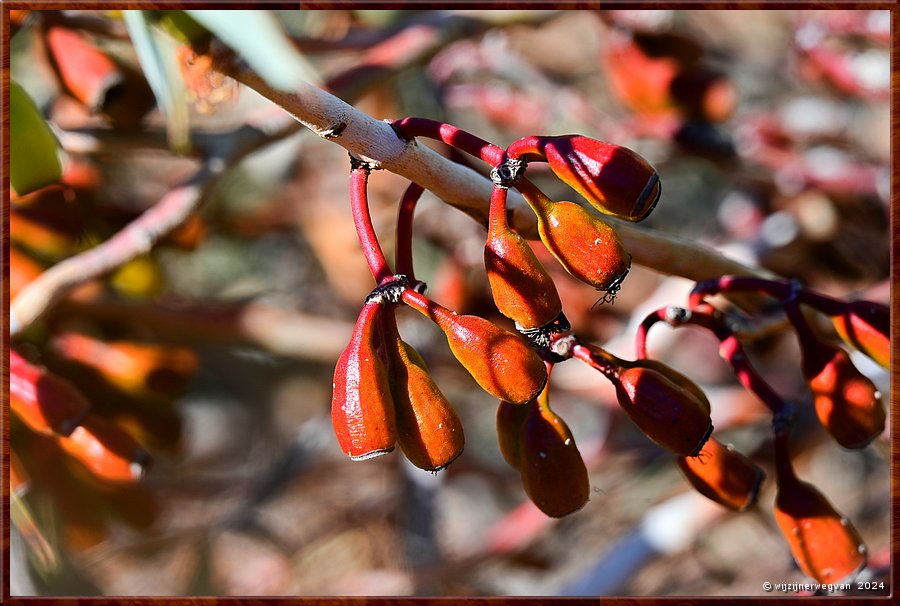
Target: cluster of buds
383,394
824,543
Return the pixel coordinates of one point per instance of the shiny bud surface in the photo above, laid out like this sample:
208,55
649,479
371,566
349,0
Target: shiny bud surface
107,450
428,430
45,402
723,475
866,327
553,473
614,179
510,421
500,362
824,544
362,409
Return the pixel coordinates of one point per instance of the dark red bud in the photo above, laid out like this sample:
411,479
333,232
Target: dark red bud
502,363
510,421
866,326
723,475
553,473
666,411
825,544
614,179
428,429
585,246
362,409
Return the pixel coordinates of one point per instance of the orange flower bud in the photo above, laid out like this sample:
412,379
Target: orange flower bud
667,412
585,246
362,410
723,475
523,290
428,430
847,403
499,361
141,370
43,401
679,379
510,421
19,482
866,326
825,544
107,450
614,179
553,473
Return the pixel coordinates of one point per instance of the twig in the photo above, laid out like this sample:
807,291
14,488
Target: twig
377,143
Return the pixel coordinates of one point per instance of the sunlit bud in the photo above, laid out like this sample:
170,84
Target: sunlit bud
500,362
362,409
723,475
866,326
107,450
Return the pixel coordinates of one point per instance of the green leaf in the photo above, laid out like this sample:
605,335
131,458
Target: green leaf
33,149
259,39
156,54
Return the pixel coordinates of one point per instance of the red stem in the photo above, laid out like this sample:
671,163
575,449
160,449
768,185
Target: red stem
359,205
532,145
776,288
403,253
497,215
451,135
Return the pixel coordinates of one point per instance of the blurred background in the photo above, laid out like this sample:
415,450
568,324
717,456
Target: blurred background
770,131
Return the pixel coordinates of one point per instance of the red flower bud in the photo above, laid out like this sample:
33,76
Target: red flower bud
825,544
723,475
499,361
86,71
510,421
43,401
428,430
141,370
107,450
847,403
362,410
585,246
866,326
614,179
553,473
523,290
664,404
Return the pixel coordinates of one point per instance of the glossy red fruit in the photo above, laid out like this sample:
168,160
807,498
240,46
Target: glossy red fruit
585,246
107,450
847,403
428,430
43,401
362,409
723,475
825,544
499,361
866,326
614,179
510,421
553,473
522,289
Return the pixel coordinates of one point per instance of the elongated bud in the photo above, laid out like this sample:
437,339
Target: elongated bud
522,289
677,378
510,421
43,401
499,361
866,326
614,179
723,475
428,429
141,370
664,404
825,544
585,246
362,409
107,450
553,473
847,403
